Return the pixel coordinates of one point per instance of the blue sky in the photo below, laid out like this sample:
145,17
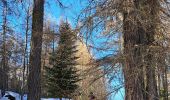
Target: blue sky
71,12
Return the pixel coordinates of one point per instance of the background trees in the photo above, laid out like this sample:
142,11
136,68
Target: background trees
130,39
8,43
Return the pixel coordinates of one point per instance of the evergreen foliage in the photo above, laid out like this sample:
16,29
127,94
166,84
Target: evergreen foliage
62,77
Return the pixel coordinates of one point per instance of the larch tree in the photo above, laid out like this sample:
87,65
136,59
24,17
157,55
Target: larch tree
34,78
4,66
27,20
152,8
133,69
140,21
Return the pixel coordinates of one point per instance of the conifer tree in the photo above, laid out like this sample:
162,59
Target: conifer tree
62,77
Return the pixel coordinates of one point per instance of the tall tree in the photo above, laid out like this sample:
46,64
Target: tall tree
62,78
141,23
139,31
34,78
152,8
133,38
4,69
27,9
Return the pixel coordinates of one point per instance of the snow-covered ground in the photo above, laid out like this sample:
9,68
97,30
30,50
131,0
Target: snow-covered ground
18,97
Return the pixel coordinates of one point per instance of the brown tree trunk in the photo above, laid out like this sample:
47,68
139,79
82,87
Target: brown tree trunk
134,37
25,52
4,69
151,86
151,26
166,84
159,83
133,69
34,78
164,77
134,80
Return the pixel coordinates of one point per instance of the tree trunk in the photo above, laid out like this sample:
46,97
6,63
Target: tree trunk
34,78
164,77
4,69
151,27
166,84
134,77
151,86
25,52
159,83
133,69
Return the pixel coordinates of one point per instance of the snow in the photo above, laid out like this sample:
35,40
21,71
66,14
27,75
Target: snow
52,99
18,97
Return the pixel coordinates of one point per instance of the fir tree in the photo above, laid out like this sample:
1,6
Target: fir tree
62,77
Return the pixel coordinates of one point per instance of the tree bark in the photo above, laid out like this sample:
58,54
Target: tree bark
151,86
151,28
4,69
133,69
25,52
34,79
163,67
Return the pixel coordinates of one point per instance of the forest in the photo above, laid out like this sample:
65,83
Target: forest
84,49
